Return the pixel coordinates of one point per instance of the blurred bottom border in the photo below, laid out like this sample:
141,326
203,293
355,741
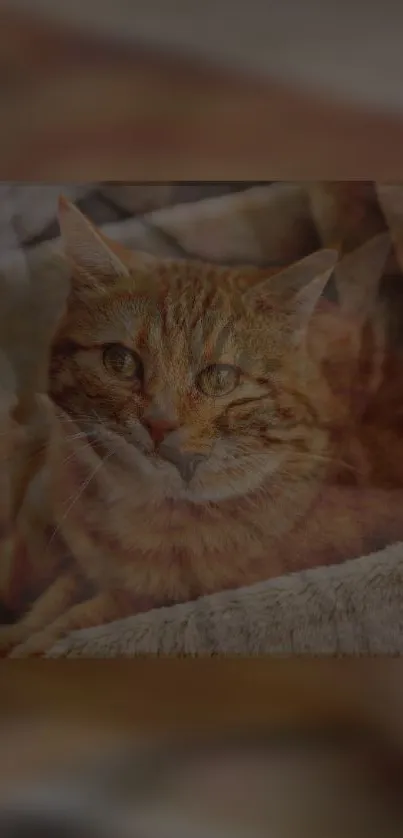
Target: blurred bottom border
201,748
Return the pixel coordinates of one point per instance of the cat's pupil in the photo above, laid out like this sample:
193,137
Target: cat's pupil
120,360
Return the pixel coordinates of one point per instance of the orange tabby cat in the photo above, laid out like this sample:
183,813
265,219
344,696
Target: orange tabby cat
193,432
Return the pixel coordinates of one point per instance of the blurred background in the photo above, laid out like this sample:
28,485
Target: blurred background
175,89
163,90
347,50
201,749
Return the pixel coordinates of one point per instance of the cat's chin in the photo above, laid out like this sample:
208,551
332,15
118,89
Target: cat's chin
221,478
159,480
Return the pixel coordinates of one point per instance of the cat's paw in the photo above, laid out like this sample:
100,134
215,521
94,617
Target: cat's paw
10,637
35,646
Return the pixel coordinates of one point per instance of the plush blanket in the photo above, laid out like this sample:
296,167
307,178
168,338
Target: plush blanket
354,608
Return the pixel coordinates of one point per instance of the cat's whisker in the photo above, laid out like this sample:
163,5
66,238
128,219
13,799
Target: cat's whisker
79,435
97,416
73,454
330,460
77,497
72,420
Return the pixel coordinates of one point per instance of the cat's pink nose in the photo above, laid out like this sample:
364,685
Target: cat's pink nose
159,429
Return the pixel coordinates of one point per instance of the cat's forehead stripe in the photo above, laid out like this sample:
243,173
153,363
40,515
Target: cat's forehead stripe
185,313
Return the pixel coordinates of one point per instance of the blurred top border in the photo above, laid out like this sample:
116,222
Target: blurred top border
346,51
78,101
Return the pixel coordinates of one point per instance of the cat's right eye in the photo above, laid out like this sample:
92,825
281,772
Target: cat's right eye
218,379
122,362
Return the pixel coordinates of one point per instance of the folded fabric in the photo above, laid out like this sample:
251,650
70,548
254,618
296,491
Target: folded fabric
349,609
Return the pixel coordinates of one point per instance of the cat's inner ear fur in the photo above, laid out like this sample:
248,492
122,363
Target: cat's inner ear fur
97,261
357,278
295,290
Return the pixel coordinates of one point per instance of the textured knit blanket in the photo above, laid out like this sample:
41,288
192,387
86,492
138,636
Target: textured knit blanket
353,608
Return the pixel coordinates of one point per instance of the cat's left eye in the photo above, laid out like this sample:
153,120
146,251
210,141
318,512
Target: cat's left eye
122,362
218,379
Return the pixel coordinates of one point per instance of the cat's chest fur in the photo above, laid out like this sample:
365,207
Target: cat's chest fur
172,553
171,549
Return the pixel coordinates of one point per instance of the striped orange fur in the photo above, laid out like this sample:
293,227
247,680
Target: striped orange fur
205,433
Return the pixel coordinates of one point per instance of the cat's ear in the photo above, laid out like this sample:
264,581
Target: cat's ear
96,260
357,278
295,290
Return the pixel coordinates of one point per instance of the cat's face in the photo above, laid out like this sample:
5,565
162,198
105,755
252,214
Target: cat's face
200,392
